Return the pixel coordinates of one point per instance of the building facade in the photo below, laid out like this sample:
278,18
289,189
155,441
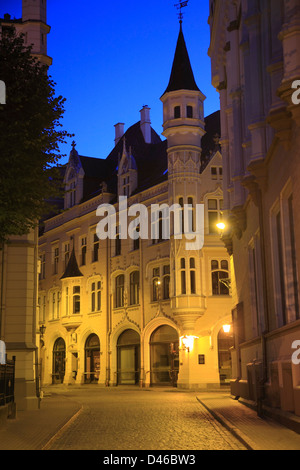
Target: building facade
143,310
255,62
19,258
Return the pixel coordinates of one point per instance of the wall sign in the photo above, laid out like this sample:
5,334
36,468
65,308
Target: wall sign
2,353
201,359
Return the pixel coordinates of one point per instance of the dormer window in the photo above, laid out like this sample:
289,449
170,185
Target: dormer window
71,189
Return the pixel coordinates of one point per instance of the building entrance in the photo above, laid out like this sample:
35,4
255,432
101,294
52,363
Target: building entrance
225,342
128,347
164,356
92,359
59,360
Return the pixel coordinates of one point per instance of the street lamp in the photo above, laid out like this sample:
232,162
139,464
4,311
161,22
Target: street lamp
226,328
42,331
221,226
187,342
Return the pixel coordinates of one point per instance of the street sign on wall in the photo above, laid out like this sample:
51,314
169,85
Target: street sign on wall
2,352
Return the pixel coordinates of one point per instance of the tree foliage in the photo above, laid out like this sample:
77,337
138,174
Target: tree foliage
30,135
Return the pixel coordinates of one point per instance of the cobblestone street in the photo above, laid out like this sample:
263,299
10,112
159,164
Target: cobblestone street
123,419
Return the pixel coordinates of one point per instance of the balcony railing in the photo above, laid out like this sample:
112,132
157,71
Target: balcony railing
7,382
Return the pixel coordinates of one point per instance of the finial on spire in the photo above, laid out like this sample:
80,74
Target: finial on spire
179,6
73,145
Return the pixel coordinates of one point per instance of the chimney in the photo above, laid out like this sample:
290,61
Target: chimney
146,124
119,132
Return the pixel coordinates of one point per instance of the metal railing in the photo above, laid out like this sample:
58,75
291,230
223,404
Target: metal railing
7,382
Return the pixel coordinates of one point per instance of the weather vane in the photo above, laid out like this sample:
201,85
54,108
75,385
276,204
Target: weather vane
179,7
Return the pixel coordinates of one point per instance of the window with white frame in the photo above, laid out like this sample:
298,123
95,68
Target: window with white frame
215,214
155,283
192,276
83,250
55,259
166,282
96,296
220,277
134,287
76,300
119,291
95,254
66,254
42,274
183,276
54,305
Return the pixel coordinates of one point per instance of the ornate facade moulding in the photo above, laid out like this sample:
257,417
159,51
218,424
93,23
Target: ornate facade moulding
258,175
238,221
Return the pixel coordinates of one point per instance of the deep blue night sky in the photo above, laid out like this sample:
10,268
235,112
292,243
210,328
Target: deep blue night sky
111,58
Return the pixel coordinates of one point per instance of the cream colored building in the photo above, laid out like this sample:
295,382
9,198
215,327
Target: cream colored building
145,312
19,260
255,53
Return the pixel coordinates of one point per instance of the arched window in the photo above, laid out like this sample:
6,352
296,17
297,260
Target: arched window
220,277
134,287
119,291
58,364
164,356
128,348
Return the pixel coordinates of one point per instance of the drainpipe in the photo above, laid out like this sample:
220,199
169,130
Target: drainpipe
108,301
34,322
264,379
2,287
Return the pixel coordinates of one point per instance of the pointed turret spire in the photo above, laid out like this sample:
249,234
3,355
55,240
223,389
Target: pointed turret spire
182,76
72,269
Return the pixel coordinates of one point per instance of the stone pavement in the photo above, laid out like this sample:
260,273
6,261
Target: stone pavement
255,433
61,411
33,430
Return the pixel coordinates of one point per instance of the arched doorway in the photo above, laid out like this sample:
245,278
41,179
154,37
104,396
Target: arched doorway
128,348
92,359
164,356
58,362
225,342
